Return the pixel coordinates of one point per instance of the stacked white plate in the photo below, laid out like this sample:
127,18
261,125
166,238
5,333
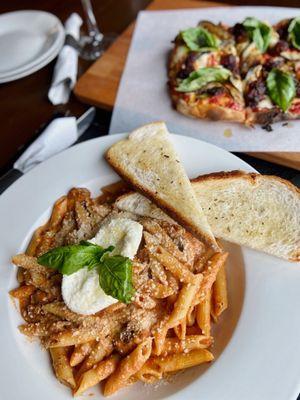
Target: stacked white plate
29,40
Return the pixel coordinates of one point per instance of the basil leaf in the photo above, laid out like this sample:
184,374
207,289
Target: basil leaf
197,79
294,32
281,88
87,243
115,277
259,33
69,259
198,39
115,272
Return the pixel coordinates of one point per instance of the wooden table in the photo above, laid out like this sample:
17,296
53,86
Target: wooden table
24,106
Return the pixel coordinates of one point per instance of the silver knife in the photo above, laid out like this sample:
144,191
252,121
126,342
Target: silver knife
83,123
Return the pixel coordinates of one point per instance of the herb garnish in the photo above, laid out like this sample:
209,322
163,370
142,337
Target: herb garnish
294,32
281,88
259,32
115,272
197,79
199,39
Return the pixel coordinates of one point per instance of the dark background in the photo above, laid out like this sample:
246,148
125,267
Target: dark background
25,109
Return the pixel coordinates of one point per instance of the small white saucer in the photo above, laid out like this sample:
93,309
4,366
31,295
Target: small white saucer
29,40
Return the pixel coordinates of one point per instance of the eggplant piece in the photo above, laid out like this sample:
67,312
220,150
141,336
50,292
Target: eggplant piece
217,30
235,93
213,89
282,28
216,88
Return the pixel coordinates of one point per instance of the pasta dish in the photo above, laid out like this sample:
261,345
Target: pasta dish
156,311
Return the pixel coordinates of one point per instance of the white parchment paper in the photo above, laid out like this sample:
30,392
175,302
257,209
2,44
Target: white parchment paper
143,95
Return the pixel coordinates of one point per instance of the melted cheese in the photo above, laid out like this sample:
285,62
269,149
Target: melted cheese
265,103
204,60
179,53
252,75
251,48
274,38
81,291
236,82
123,233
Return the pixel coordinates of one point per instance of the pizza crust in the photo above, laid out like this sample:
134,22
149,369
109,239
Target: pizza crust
209,111
268,117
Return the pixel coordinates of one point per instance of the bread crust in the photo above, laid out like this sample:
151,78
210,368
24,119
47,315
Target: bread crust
253,179
160,203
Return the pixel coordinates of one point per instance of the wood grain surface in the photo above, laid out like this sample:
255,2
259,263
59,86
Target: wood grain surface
24,106
99,85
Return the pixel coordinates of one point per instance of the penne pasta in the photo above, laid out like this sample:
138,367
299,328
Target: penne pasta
203,314
38,243
80,352
20,276
59,309
163,238
179,312
209,275
193,330
150,371
156,367
128,367
191,316
160,337
180,329
22,291
178,361
115,188
192,342
70,337
35,241
158,272
184,301
219,293
30,263
158,290
133,379
96,374
43,329
214,317
178,269
61,366
99,351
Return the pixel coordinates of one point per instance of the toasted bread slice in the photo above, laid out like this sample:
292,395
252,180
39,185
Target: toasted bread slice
148,162
258,211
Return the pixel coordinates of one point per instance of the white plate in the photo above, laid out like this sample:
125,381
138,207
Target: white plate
257,344
28,41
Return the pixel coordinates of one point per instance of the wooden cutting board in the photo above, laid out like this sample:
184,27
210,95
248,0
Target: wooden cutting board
99,84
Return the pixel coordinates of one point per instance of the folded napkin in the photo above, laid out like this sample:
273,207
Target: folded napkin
60,134
65,71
